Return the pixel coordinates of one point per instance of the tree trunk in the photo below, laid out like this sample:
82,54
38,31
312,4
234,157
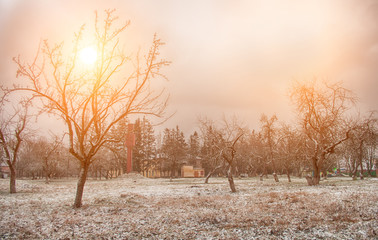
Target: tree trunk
12,180
231,179
362,172
288,175
46,168
361,165
274,172
207,177
47,178
211,173
310,180
316,177
275,177
80,186
173,166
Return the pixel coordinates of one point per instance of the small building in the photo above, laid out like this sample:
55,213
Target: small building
191,172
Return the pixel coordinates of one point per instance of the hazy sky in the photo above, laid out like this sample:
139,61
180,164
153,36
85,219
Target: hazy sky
233,57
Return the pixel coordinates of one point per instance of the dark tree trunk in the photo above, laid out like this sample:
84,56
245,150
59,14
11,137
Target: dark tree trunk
46,170
361,165
354,175
231,179
288,175
316,175
12,180
316,178
80,186
173,166
362,172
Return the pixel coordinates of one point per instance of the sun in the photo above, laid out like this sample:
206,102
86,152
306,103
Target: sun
88,55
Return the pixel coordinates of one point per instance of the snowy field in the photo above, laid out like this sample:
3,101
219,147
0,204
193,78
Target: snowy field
134,207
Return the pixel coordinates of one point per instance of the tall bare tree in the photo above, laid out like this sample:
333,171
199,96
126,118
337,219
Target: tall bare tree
291,146
212,141
233,131
269,132
222,146
42,155
12,132
92,99
257,156
360,138
228,155
321,112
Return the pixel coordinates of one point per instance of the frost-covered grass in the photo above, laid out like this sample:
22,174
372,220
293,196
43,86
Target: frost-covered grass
138,208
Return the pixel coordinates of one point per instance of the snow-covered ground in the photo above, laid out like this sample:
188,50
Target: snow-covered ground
134,207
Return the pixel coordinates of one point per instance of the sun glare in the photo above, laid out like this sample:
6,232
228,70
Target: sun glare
88,55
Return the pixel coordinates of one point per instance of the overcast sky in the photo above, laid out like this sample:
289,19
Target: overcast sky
233,57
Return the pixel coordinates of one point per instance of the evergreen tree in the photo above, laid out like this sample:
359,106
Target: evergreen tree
174,148
145,144
194,148
117,146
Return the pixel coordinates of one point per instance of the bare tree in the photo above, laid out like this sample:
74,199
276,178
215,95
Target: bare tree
12,133
359,140
228,155
268,132
45,151
233,132
223,146
44,157
371,146
213,141
290,148
257,163
92,99
321,112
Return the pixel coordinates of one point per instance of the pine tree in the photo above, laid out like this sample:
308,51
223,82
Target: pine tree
145,144
174,148
194,148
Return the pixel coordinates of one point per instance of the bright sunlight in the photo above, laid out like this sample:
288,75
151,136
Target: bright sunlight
88,55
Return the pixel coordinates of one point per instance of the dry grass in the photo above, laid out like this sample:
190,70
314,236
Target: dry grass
139,208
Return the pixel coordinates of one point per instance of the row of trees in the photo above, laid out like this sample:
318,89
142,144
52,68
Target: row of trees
273,148
324,138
